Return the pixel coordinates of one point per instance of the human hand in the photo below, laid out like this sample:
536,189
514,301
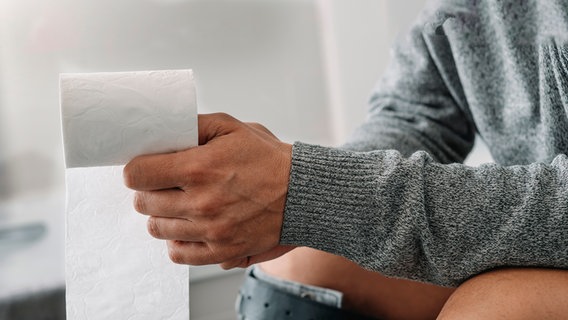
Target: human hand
221,202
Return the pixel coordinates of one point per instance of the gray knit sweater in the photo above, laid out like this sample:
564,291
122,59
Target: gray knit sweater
395,198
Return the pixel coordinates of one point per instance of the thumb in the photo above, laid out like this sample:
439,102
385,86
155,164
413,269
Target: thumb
214,125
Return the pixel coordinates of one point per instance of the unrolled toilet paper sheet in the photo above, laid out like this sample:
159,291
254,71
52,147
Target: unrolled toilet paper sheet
114,268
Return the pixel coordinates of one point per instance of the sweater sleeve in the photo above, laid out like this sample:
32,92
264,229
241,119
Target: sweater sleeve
414,218
395,200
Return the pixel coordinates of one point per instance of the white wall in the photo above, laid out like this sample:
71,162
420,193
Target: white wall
363,31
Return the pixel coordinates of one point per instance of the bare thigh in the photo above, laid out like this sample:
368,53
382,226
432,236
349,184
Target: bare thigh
364,291
511,294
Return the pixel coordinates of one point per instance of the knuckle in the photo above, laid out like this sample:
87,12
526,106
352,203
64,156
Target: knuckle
184,168
258,126
194,174
153,227
204,206
219,233
224,116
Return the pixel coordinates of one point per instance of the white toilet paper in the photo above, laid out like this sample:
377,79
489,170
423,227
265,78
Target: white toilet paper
109,118
114,268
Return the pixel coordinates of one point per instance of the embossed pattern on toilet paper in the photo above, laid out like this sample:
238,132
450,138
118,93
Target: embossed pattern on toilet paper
114,268
109,118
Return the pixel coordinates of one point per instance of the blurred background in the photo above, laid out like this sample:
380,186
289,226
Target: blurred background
303,68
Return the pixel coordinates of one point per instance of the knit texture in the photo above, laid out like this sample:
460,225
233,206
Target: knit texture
395,198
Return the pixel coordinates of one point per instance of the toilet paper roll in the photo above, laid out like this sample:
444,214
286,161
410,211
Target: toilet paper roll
114,268
109,118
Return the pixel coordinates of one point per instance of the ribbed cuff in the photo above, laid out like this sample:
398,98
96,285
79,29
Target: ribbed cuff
331,199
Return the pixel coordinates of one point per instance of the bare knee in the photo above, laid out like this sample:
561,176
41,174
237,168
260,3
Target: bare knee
510,294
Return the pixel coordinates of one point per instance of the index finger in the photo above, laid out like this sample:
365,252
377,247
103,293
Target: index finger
156,171
170,170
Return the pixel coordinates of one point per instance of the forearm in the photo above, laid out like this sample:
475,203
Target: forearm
418,219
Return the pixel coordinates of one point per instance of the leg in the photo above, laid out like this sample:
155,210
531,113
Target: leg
511,294
364,291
